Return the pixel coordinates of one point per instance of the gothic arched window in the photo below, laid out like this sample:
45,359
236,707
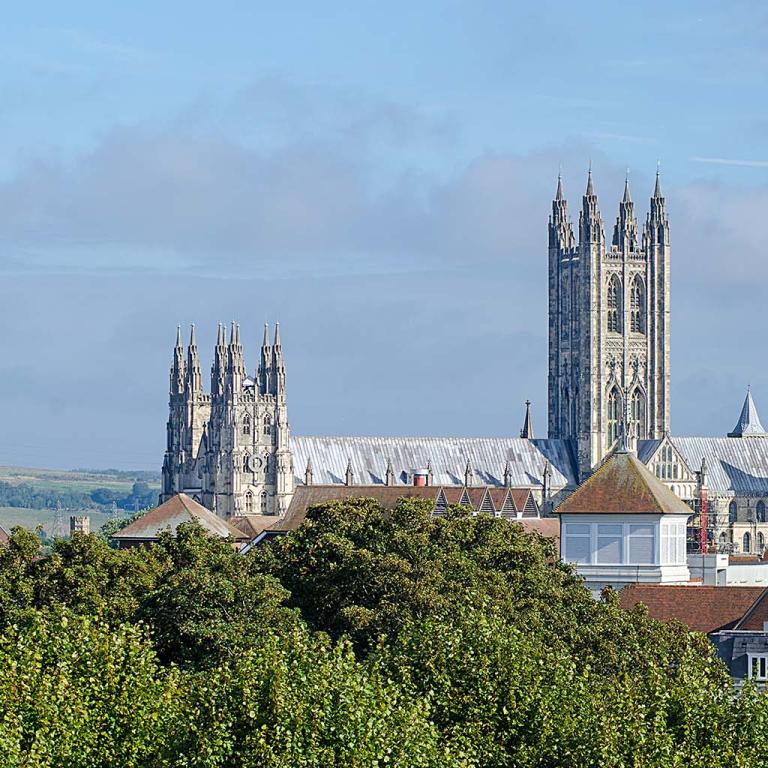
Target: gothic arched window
263,502
637,407
267,425
614,415
637,305
614,304
746,543
760,544
249,503
732,508
760,511
246,424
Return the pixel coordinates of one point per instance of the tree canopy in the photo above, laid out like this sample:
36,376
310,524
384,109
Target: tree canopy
365,638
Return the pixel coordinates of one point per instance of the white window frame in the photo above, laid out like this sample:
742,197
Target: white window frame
759,660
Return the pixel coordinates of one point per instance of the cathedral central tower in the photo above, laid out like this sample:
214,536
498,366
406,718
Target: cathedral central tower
608,326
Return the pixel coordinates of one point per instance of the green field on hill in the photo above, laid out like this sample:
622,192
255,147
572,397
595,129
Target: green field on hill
29,496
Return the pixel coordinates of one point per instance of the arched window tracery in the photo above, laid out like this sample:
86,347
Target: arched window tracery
637,305
613,302
614,415
746,542
637,414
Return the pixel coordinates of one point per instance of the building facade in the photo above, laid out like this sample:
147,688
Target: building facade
608,326
231,449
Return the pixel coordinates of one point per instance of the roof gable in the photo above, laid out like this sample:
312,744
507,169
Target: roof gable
171,514
623,485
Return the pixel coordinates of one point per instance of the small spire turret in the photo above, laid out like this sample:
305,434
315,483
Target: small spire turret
349,475
625,231
527,430
468,474
308,478
390,474
194,375
178,367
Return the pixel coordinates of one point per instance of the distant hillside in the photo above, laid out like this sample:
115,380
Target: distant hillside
30,497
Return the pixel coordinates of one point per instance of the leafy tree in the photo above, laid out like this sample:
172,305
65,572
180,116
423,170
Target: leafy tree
210,603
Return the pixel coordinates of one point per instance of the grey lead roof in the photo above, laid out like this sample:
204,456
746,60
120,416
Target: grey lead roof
748,424
446,456
735,466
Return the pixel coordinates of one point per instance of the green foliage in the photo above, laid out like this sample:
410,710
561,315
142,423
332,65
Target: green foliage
364,638
210,603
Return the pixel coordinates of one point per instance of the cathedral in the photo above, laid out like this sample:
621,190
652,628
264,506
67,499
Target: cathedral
609,380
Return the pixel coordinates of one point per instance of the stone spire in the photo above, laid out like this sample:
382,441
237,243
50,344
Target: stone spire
468,474
219,362
527,430
194,377
656,230
178,368
235,363
429,472
308,472
590,221
748,424
560,227
265,372
278,365
507,475
390,475
546,482
625,231
349,475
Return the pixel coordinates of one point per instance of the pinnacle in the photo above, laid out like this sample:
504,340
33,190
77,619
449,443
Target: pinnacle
627,197
590,191
657,189
265,340
559,193
192,338
178,335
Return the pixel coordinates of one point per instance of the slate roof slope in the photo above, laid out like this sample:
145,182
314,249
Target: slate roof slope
623,484
170,515
702,609
748,424
735,467
447,457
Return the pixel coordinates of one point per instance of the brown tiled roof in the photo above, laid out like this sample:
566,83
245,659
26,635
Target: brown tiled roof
306,496
623,484
703,609
171,514
4,537
757,615
252,525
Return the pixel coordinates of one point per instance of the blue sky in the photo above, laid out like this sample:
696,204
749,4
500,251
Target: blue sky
377,177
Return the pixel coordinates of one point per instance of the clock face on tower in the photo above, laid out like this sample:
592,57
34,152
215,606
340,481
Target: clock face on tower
254,463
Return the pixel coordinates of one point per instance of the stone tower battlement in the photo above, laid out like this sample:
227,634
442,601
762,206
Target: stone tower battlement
608,326
229,449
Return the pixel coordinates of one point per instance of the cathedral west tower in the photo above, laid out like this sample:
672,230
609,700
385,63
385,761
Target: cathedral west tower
608,326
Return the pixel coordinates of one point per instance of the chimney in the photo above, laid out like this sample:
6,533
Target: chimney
420,477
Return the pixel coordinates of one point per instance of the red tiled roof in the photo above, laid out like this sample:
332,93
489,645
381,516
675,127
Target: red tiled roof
306,496
755,618
703,609
623,484
170,515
